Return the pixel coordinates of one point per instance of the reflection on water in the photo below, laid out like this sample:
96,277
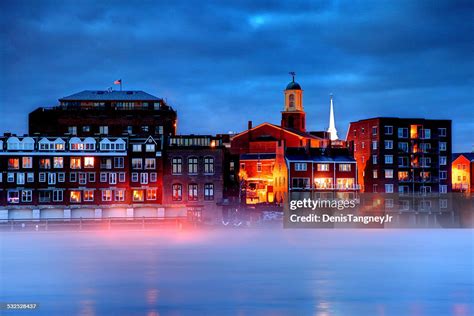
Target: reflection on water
241,272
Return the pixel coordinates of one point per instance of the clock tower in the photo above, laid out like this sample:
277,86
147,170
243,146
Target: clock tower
293,116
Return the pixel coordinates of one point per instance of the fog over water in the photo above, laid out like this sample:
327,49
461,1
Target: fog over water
240,272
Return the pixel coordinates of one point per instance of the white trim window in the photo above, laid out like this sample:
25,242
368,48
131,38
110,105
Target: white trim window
134,177
150,147
119,195
30,177
103,177
106,195
51,178
27,162
88,195
388,144
388,188
443,188
112,178
137,163
301,166
91,176
61,177
389,159
151,194
136,148
144,178
58,195
73,177
150,163
442,160
82,178
153,177
119,162
192,165
42,177
442,132
442,146
26,195
121,176
443,175
177,165
20,178
13,197
388,173
209,165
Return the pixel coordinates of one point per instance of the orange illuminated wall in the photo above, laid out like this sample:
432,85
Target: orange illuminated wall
461,174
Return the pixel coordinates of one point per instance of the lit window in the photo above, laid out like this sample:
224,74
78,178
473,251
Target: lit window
138,196
75,163
14,163
75,196
322,167
27,162
375,174
150,163
88,195
58,162
45,163
106,195
151,194
120,195
388,173
344,167
177,192
88,162
192,192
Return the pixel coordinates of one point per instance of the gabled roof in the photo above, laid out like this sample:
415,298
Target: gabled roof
469,156
289,130
104,95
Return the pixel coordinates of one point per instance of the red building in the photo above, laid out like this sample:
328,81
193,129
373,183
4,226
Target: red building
255,150
402,155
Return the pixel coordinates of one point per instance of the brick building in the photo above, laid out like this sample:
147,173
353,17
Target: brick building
402,155
193,180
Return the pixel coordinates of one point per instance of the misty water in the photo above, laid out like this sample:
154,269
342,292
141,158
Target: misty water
240,272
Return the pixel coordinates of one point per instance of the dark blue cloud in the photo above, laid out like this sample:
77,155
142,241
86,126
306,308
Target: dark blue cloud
229,62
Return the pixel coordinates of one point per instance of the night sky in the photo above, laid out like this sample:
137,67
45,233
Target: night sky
221,65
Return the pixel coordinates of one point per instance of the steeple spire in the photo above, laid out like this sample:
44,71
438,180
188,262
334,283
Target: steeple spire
332,125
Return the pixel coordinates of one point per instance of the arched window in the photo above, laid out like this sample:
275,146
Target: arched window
291,100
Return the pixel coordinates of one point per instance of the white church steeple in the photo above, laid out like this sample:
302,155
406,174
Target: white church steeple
332,125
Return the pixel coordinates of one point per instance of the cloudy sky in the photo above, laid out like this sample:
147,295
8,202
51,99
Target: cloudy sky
221,65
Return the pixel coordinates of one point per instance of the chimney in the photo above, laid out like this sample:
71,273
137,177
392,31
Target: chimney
250,125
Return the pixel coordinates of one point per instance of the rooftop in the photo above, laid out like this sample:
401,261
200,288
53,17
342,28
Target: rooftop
105,95
469,156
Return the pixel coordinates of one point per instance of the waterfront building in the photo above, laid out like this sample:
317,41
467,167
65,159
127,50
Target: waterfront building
462,167
402,155
107,113
193,179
